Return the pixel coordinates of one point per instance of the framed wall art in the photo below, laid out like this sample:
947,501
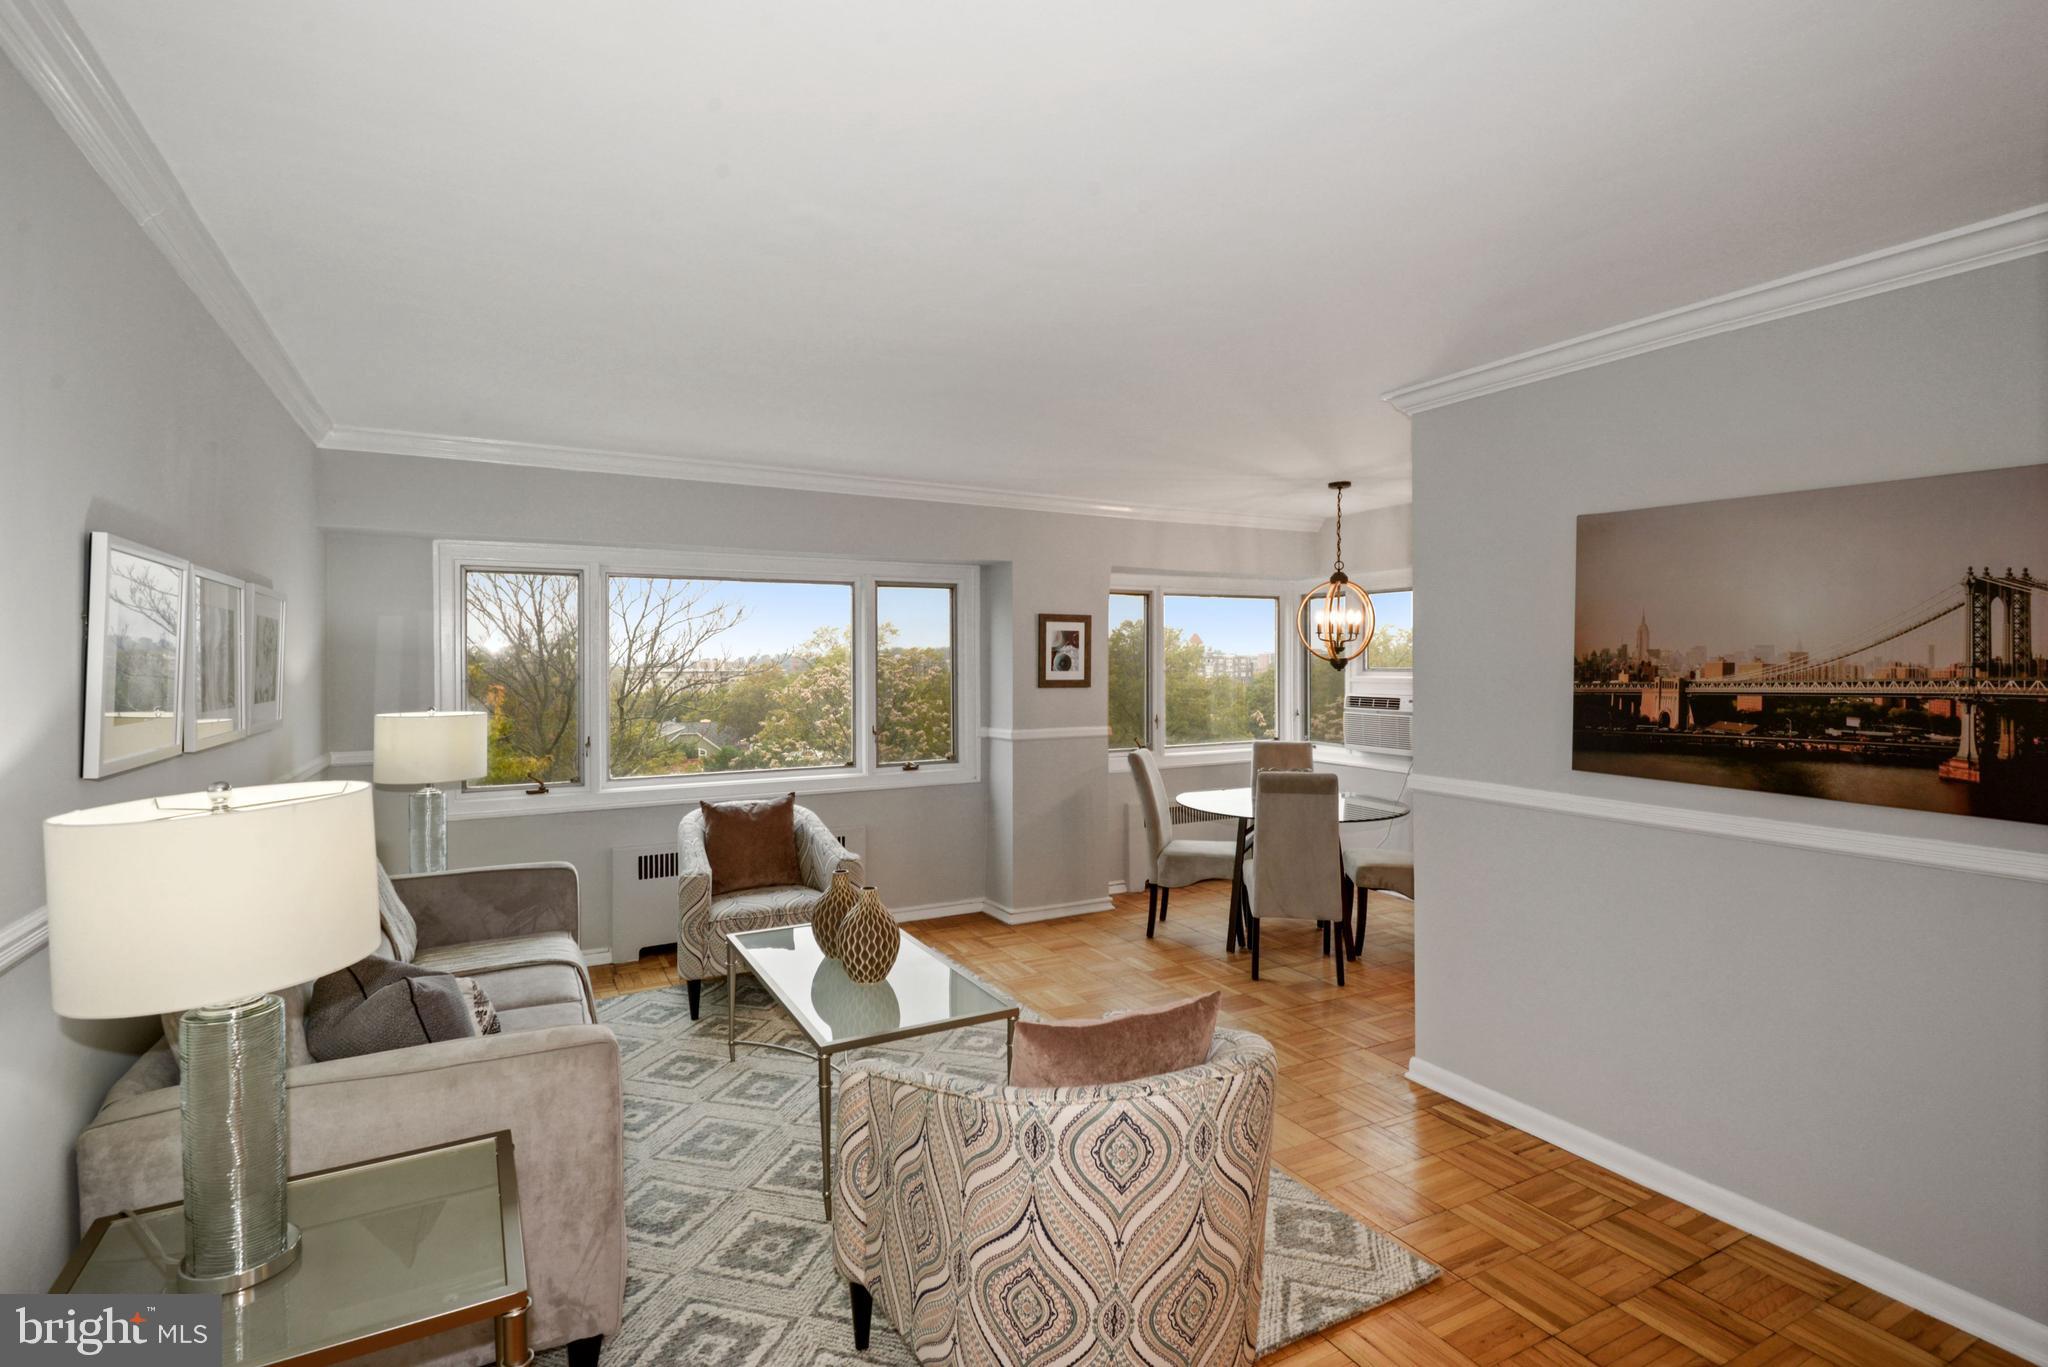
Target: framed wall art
1066,652
263,670
134,655
213,690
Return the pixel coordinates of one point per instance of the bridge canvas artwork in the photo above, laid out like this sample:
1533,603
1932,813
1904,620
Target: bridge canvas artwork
1870,643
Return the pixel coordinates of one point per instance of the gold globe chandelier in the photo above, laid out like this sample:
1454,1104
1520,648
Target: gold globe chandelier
1335,620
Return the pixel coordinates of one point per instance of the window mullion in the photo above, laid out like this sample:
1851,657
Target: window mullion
866,650
596,646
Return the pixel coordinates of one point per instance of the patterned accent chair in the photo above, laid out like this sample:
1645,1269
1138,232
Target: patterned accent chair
705,920
1122,1223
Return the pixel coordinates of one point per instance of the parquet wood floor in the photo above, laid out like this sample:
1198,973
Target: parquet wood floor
1551,1260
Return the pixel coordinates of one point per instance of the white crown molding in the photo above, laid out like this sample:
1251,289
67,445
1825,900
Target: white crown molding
23,936
1952,855
1028,733
714,470
1966,1310
52,52
1968,248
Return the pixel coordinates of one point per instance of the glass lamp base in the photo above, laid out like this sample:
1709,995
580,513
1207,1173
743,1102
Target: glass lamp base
234,1131
428,826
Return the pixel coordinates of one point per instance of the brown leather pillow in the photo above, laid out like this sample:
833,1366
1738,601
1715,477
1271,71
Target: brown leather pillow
1138,1044
751,844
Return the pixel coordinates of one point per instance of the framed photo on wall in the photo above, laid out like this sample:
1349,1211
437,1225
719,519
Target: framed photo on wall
213,690
134,656
1066,650
264,668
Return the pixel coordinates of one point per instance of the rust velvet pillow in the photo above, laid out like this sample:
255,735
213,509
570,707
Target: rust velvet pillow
751,844
1137,1044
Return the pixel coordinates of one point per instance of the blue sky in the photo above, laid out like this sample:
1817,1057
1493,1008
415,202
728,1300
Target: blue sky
1244,626
781,616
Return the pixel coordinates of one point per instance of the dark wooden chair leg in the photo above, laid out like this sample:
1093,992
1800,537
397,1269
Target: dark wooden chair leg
1252,933
1151,908
1343,948
863,1314
1324,926
584,1352
1358,935
696,991
1165,896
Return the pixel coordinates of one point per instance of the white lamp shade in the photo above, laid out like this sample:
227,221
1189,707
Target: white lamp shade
165,904
431,747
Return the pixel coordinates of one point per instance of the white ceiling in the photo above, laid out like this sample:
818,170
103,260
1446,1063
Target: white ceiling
1146,253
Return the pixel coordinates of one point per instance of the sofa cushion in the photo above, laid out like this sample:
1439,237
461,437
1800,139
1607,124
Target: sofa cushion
751,844
399,927
520,971
523,1018
1121,1048
378,1004
755,908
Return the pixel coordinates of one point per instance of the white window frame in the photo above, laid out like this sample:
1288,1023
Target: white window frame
597,564
1287,664
1331,752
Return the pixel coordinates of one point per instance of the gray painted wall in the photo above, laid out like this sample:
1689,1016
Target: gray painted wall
127,411
1859,1044
1036,831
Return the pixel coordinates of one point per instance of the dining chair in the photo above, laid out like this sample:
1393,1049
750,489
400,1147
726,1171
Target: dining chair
1369,867
1175,861
1280,754
1292,874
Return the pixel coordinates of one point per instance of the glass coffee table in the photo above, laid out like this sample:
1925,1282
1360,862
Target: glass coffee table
923,995
392,1251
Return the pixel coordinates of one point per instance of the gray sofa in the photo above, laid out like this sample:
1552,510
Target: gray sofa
551,1078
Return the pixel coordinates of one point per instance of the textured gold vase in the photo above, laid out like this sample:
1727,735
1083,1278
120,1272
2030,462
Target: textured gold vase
832,907
868,939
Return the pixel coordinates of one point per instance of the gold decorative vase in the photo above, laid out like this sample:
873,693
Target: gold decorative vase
868,939
832,907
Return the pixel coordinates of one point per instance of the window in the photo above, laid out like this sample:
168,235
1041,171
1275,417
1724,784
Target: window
1128,616
1325,701
728,675
1221,668
1393,637
521,664
914,674
632,677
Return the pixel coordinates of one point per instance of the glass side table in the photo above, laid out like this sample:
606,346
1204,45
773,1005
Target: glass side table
393,1250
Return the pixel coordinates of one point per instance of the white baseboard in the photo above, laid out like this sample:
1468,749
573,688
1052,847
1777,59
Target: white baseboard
351,759
932,911
1051,911
1965,1310
593,957
1119,887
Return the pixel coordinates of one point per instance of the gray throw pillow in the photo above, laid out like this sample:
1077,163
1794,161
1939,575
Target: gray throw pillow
378,1004
399,927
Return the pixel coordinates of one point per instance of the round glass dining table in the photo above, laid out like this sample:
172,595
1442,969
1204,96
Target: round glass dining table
1235,804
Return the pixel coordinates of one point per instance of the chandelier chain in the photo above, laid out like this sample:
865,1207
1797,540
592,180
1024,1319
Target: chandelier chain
1340,531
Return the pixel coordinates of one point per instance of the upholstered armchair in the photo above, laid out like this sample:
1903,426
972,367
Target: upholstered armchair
706,919
1121,1223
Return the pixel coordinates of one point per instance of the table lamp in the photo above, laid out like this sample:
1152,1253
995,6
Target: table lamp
429,748
207,903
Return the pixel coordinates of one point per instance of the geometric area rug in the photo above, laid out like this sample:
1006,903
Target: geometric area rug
728,1258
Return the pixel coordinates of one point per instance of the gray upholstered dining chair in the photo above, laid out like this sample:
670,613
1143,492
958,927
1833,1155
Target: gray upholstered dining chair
1175,861
1369,867
1294,873
1280,754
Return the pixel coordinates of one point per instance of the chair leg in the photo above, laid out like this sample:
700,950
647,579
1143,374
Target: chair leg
1151,907
1324,926
1358,935
1343,948
863,1314
696,992
585,1352
1252,933
1165,896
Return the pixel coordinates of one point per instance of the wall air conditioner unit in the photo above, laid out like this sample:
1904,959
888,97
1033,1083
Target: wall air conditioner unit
1379,711
644,879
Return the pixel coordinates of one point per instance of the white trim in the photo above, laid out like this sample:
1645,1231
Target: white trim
1051,911
1045,733
352,759
932,911
23,936
47,44
2006,238
1385,761
593,957
1118,887
319,764
511,804
1954,855
1966,1310
766,473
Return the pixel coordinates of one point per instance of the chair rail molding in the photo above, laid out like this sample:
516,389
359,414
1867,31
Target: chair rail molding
1954,855
2005,238
23,936
53,53
1966,1310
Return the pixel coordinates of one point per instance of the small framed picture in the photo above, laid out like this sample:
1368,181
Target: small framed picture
134,656
1066,653
215,622
263,613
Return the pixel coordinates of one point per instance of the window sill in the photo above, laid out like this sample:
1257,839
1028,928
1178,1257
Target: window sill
1386,761
1213,756
517,803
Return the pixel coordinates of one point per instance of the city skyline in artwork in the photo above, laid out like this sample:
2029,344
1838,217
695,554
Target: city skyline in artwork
1872,643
